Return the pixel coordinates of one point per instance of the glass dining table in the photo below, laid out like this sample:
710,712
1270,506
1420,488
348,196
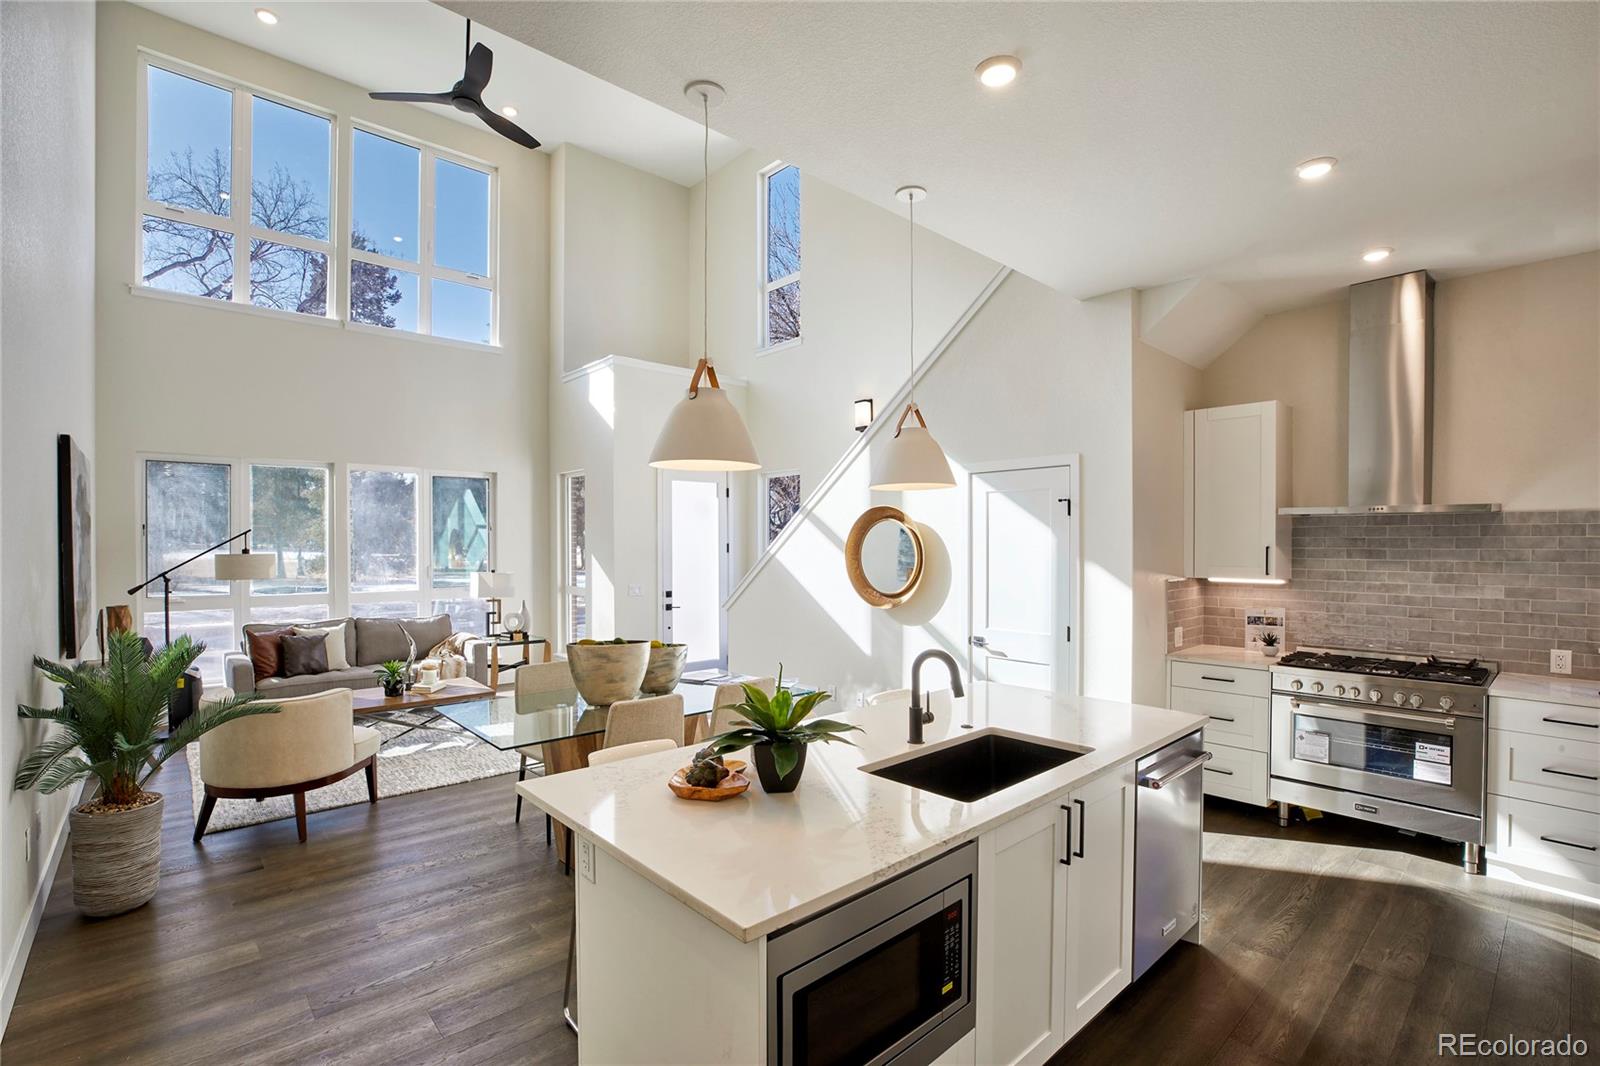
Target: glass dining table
510,721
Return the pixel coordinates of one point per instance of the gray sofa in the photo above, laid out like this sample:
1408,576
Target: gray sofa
369,642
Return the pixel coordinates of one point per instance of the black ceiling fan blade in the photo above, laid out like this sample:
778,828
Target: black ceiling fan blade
505,127
414,98
480,63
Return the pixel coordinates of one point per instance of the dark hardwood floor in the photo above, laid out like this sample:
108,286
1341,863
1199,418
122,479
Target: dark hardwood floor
432,929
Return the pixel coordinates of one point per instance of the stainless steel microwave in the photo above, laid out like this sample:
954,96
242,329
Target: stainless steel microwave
885,977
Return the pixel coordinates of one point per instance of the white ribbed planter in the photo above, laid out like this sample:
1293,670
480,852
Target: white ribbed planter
116,859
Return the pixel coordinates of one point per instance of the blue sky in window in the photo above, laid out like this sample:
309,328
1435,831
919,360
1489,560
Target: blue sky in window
461,312
783,223
387,192
188,115
296,142
461,218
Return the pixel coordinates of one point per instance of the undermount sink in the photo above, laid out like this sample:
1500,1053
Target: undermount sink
980,766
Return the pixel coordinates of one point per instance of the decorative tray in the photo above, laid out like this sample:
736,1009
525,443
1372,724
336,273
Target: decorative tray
730,786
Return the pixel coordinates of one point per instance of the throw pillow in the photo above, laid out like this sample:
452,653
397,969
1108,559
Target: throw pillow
266,652
304,654
379,640
337,659
427,632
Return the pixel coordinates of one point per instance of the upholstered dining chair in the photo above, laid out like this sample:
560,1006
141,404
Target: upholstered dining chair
723,715
532,679
311,742
650,718
629,751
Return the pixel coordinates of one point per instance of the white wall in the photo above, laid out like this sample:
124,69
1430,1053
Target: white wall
1033,374
215,380
47,386
619,270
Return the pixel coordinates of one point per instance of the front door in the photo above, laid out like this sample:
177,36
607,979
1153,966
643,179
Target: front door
1022,569
694,564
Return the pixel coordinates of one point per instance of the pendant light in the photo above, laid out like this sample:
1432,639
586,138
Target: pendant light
704,431
912,459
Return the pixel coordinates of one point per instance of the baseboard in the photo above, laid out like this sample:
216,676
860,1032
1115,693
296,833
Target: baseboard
17,958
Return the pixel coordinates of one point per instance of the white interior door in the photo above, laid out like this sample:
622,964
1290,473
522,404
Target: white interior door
695,554
1022,574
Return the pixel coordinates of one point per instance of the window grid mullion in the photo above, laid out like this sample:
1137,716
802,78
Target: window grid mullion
425,257
240,177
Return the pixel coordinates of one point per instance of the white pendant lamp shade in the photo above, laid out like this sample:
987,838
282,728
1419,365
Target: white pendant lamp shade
245,566
911,460
705,432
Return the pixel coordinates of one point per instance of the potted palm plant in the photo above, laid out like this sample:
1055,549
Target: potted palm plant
108,721
776,731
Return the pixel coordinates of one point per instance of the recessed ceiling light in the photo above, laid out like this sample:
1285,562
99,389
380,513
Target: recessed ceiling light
1316,169
1376,255
399,240
508,111
997,71
266,16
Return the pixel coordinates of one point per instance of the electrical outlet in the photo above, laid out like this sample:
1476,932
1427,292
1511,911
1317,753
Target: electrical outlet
861,699
1177,636
1560,661
635,590
586,858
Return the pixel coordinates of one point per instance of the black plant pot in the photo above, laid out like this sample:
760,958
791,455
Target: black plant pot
393,689
768,773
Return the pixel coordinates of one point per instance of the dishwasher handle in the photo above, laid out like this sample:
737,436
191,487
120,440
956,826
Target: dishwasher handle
1164,774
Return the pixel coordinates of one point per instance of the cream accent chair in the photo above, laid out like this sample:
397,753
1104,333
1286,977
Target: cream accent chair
312,741
729,696
533,679
651,718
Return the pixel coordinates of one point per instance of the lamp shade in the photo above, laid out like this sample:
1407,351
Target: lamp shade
245,566
490,585
705,432
911,460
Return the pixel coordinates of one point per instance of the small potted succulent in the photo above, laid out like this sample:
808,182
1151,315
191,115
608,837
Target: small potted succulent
775,730
1269,644
392,676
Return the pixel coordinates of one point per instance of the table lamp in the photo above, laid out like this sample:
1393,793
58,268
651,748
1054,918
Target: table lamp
492,586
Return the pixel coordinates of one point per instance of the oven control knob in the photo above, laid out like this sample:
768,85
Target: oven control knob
1415,700
1399,698
1374,695
1316,686
1297,685
1445,703
1338,690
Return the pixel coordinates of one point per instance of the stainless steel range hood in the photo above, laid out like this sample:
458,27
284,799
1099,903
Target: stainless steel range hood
1390,457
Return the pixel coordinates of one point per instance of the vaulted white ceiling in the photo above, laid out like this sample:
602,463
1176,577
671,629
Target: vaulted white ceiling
1149,143
413,45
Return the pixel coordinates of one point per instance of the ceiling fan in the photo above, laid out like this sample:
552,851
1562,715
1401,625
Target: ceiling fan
467,94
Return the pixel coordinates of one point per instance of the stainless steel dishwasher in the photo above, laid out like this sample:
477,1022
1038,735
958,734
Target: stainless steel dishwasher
1166,857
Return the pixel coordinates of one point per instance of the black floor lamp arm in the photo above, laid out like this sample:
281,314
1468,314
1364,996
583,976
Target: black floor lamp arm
165,577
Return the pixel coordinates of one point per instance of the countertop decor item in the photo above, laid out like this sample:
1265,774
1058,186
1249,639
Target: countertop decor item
732,782
883,555
392,676
665,668
1269,644
778,733
607,671
108,723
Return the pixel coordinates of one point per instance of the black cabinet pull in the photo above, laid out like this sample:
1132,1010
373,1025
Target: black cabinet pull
1208,677
1083,826
1218,770
1219,717
1068,860
1568,773
1266,566
1568,843
1563,721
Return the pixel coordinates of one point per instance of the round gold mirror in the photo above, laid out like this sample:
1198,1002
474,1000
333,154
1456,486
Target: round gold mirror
883,555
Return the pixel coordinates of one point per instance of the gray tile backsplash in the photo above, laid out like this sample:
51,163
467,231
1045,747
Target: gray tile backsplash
1506,586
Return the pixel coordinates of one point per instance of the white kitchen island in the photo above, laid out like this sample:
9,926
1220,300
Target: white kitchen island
676,899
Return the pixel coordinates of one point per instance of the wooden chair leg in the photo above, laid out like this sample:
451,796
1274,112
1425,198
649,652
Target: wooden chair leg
300,814
205,816
372,779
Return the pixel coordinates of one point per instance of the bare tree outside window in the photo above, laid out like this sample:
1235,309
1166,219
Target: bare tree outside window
782,266
783,502
575,564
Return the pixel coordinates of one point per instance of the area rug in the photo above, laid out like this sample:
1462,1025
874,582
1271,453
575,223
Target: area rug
414,762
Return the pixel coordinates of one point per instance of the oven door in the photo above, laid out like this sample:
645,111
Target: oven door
1433,760
874,997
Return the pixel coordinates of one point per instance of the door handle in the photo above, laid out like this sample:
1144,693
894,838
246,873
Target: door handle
1568,843
1569,773
1225,680
1083,826
1552,721
1068,860
1219,770
1163,775
983,642
1219,717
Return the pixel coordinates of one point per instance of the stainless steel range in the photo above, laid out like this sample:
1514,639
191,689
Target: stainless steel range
1395,739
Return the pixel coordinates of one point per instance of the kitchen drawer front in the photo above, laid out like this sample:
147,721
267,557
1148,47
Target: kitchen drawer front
1545,769
1545,719
1236,773
1548,838
1235,679
1239,721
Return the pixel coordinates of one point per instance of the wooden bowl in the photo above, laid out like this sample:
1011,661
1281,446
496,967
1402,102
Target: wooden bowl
731,786
665,669
606,673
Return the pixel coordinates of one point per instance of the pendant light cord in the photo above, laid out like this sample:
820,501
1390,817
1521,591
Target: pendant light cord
705,230
911,281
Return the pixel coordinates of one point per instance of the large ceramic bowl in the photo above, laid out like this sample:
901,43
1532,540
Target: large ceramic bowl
665,670
606,673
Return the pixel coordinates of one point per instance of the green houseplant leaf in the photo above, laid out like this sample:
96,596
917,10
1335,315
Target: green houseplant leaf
780,722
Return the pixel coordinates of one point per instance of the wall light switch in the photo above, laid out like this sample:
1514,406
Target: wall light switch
636,590
1177,636
586,859
1560,661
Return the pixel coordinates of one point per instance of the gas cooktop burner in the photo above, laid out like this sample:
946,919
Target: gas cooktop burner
1446,671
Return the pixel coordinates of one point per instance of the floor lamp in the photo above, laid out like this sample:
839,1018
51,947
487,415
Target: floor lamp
243,565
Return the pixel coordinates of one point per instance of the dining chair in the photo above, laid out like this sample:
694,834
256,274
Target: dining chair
629,751
532,679
650,718
723,715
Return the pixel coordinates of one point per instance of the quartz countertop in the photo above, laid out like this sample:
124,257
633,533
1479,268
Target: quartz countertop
1547,689
755,863
1221,655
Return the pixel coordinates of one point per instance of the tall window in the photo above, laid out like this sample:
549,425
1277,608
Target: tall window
462,528
420,227
383,531
783,501
575,560
187,508
780,255
236,194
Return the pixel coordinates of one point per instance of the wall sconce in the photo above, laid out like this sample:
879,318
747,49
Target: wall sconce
863,415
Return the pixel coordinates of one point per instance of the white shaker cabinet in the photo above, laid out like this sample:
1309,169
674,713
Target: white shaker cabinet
1099,914
1236,476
